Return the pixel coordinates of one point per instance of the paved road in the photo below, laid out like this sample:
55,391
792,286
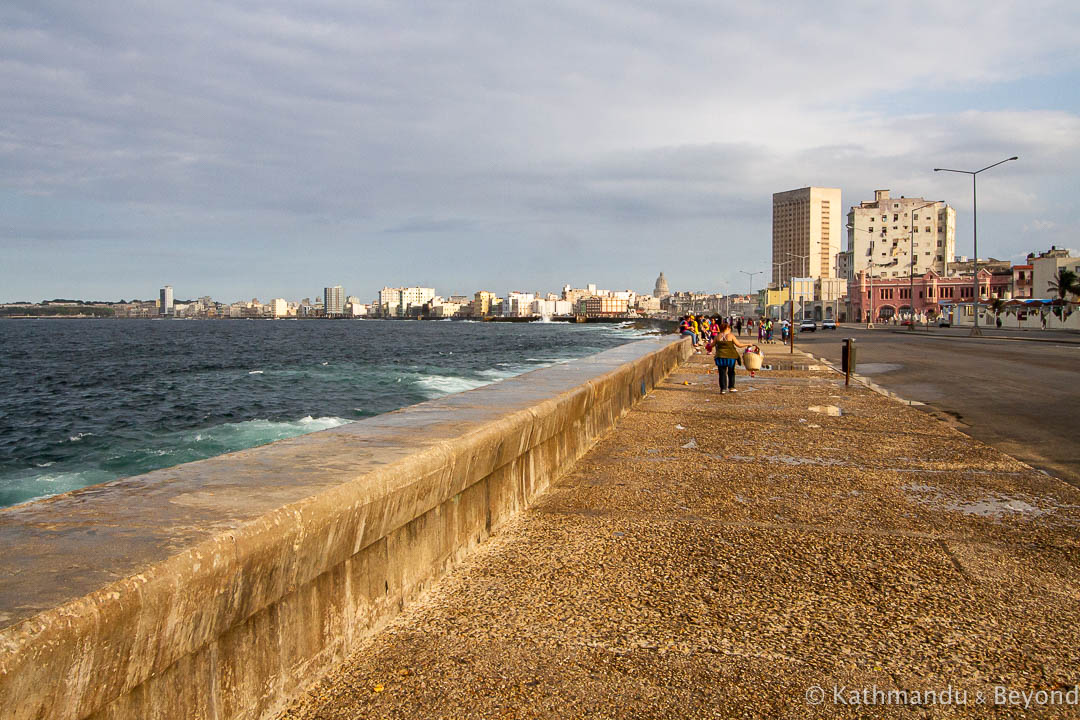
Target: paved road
1021,397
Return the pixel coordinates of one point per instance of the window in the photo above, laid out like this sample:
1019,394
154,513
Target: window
895,216
939,243
884,218
915,229
927,228
871,228
916,217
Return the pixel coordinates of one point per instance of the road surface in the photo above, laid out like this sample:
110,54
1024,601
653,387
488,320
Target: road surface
1021,397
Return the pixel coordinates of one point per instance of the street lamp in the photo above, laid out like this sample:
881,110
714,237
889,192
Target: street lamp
776,265
869,275
975,232
791,301
911,263
751,274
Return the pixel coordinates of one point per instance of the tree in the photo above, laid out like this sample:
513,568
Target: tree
997,305
1066,283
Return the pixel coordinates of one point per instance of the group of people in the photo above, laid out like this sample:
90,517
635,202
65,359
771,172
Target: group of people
702,327
720,336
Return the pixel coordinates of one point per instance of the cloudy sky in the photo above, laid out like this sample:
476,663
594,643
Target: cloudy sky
243,149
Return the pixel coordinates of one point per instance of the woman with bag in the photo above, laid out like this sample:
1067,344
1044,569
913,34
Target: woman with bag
726,354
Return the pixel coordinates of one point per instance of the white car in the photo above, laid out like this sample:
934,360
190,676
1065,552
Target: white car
807,326
828,324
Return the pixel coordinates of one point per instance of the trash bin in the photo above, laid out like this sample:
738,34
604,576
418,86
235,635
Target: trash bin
847,361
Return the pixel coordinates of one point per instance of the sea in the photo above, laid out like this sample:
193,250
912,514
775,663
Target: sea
88,401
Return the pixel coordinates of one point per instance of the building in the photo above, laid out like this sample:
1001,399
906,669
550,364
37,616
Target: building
334,301
481,303
660,290
1023,279
279,308
830,299
518,304
165,305
551,308
648,305
1044,269
806,235
404,301
802,294
883,233
605,306
885,299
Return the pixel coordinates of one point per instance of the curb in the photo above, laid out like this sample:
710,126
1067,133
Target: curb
986,337
866,382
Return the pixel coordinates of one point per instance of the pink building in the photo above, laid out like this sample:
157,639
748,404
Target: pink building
885,298
1022,280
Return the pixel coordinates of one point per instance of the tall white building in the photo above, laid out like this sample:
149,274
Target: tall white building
396,302
166,305
882,234
519,304
279,308
334,301
805,233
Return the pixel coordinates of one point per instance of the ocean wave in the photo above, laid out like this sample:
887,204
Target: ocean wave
251,433
14,490
255,372
439,385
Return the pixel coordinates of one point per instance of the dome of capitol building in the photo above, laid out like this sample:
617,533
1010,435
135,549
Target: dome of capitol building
661,289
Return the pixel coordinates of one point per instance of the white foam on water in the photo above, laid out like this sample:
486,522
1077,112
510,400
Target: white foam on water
438,385
255,372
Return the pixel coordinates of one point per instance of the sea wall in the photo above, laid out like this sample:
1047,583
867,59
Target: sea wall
219,589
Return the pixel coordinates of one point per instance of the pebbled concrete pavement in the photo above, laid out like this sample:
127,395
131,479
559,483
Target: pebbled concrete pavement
723,556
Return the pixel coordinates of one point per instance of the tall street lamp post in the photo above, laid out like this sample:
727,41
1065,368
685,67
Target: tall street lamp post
975,233
911,263
791,300
751,274
776,265
868,276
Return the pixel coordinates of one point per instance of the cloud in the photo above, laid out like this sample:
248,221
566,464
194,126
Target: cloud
599,127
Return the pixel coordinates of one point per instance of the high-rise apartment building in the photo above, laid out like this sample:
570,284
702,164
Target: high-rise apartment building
165,307
334,301
806,233
396,302
481,304
881,236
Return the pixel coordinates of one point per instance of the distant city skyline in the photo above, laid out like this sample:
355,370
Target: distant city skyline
274,150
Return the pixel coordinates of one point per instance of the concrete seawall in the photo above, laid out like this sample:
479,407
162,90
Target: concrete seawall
220,588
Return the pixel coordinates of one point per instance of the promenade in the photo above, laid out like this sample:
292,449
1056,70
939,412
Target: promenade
727,556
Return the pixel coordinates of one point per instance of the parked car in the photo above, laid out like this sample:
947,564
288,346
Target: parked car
943,322
828,324
807,326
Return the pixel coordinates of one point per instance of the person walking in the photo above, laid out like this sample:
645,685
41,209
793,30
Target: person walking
726,354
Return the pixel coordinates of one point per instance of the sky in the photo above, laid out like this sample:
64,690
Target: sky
269,149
